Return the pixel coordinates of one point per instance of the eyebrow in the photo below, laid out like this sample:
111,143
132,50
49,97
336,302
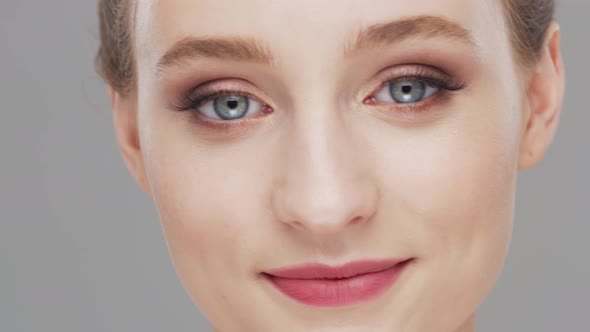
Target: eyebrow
241,49
225,49
411,27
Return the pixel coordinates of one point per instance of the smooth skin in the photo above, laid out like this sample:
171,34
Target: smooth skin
327,177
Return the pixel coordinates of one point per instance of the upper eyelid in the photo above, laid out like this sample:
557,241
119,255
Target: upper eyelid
226,92
389,75
417,72
231,88
430,81
380,80
189,100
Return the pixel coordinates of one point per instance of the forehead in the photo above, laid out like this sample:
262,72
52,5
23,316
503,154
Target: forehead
310,29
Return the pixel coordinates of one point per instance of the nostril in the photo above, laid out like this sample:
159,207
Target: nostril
357,220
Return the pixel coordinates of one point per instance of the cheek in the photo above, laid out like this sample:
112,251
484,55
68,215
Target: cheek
202,202
204,196
458,175
452,185
449,190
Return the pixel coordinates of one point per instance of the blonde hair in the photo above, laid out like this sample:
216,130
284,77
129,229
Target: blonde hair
527,21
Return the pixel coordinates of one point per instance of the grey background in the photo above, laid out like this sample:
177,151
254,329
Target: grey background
80,244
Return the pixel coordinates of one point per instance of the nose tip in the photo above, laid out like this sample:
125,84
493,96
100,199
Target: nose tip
320,209
325,180
325,225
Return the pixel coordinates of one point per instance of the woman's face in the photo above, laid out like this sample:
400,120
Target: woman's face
337,132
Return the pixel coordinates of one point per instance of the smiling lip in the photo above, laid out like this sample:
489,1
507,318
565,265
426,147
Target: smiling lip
326,286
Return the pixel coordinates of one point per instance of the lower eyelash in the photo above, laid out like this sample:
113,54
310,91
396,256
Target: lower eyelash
196,98
410,111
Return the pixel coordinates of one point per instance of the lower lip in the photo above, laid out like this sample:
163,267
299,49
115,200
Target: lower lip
338,292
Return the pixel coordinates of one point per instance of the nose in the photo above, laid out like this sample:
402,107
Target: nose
325,184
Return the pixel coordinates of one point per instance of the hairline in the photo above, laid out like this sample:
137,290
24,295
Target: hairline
523,60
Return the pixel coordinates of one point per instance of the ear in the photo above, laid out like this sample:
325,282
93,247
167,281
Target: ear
545,94
126,129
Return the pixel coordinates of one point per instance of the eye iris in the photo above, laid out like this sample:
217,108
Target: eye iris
407,91
231,107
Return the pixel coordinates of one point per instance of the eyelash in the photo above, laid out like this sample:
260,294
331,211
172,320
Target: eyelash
432,77
195,98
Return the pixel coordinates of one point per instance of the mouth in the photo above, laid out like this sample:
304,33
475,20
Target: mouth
328,286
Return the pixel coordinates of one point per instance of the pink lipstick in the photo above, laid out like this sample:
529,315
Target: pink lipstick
327,286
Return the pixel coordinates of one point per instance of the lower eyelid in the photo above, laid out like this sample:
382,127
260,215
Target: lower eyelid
261,106
385,90
436,99
424,111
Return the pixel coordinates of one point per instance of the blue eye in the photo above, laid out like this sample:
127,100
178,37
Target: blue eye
228,106
405,92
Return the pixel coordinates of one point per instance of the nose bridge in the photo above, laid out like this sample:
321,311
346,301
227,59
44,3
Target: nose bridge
324,183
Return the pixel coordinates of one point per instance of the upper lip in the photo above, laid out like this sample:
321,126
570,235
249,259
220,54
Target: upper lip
322,271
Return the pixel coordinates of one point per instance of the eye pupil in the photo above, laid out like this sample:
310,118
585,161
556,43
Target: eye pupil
231,107
406,92
232,103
